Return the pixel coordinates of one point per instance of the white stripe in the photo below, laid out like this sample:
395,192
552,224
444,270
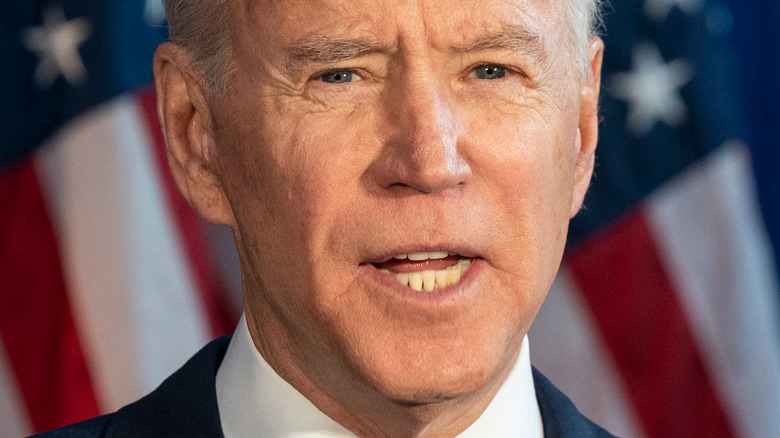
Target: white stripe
129,284
714,245
566,347
13,415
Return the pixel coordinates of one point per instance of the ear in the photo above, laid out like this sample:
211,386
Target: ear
587,132
184,116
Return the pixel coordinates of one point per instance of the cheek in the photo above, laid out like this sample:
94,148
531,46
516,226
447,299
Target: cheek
323,164
527,158
297,163
525,168
292,181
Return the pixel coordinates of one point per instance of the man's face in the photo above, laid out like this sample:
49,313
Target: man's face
357,134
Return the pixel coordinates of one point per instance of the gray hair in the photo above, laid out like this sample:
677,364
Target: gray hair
202,27
583,20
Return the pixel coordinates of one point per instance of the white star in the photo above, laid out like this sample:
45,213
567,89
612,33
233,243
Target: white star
651,90
154,12
658,10
56,43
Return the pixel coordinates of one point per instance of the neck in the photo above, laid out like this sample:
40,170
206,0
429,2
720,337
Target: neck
365,410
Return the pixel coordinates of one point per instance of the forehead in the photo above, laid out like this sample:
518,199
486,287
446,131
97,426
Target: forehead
437,22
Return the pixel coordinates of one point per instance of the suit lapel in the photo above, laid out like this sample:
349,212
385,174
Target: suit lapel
184,405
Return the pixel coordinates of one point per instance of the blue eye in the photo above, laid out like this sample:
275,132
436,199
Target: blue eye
489,72
337,77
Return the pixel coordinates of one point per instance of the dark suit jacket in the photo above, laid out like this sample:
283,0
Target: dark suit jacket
185,405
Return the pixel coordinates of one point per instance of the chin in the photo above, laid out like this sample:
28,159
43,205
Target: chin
418,390
437,373
421,394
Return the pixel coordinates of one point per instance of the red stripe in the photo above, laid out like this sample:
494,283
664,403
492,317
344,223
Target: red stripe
192,229
643,323
36,322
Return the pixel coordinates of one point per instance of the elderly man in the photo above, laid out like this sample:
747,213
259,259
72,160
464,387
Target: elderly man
399,176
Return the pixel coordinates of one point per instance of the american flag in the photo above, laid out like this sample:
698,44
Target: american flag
663,321
107,283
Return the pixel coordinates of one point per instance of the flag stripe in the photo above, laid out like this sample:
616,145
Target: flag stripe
708,229
126,287
36,323
641,320
191,227
567,347
13,415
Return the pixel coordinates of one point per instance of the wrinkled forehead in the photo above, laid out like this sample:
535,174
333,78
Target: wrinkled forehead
438,22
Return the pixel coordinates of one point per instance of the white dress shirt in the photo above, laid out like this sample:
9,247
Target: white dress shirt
255,402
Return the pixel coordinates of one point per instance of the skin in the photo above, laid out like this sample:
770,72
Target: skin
418,152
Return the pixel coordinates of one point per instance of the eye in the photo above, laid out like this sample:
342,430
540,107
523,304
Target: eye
339,77
488,71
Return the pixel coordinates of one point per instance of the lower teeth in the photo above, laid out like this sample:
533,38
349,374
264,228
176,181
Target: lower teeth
428,280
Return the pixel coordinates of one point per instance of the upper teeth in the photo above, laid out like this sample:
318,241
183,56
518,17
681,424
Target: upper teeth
419,256
429,279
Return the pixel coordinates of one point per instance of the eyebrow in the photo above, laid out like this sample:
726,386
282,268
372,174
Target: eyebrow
325,50
322,49
512,38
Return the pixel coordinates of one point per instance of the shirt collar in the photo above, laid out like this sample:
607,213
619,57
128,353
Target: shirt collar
254,401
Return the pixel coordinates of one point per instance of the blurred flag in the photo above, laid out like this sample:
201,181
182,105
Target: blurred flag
106,285
755,40
664,319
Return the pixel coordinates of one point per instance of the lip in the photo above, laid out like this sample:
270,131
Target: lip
461,251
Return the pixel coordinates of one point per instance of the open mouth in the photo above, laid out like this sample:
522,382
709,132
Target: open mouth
426,271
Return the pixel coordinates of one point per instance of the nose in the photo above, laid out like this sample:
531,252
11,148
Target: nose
422,147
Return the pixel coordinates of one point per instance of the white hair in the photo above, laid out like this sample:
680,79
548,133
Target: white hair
583,20
202,27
